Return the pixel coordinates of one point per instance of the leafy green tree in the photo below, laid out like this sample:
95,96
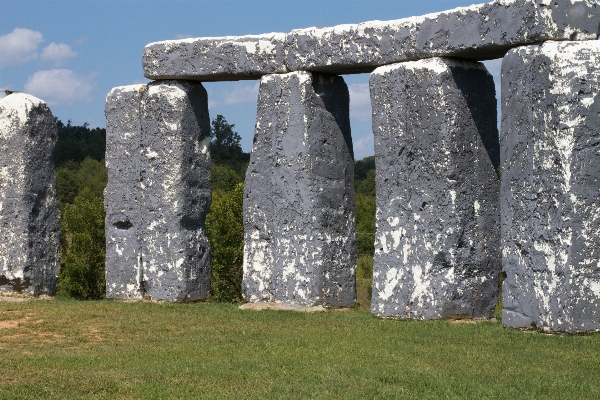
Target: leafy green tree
365,224
366,186
225,147
225,230
223,135
72,177
92,174
75,143
83,247
362,166
67,184
224,178
364,189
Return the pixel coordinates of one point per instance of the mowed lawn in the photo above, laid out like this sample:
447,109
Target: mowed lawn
110,350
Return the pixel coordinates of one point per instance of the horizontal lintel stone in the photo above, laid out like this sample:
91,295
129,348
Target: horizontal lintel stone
479,32
216,58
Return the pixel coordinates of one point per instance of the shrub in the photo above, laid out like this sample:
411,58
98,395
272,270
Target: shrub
83,247
365,224
72,177
224,178
364,267
225,230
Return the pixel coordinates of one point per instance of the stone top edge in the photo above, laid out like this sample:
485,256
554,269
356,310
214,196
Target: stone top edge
273,36
283,36
564,45
17,100
568,49
401,21
436,64
17,107
126,88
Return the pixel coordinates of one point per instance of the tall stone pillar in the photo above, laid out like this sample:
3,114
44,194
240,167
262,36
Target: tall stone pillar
158,192
176,191
122,193
550,192
436,154
29,215
299,216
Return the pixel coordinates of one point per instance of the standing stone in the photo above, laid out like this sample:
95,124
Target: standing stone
436,154
122,193
29,215
300,245
550,193
175,191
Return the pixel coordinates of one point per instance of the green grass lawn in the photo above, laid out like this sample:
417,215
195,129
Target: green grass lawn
111,350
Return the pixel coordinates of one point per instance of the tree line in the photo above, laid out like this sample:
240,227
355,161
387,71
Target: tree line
81,179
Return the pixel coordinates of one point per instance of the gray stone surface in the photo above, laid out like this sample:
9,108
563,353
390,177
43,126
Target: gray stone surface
437,246
479,32
300,245
122,193
175,191
483,31
215,59
29,215
550,191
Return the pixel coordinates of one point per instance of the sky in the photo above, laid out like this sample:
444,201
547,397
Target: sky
72,53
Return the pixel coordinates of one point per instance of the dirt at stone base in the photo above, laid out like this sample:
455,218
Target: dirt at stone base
18,298
281,306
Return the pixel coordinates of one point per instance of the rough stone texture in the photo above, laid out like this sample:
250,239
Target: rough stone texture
215,59
483,31
300,245
122,193
550,192
437,246
29,215
175,191
479,32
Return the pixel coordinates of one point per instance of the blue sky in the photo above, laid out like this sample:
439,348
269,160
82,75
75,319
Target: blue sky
71,53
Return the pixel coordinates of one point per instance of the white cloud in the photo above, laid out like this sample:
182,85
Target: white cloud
360,101
494,66
60,86
183,36
242,94
57,53
19,46
228,93
211,102
363,147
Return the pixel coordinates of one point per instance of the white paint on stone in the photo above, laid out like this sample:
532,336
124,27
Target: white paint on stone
215,58
29,215
287,200
549,190
424,177
483,31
